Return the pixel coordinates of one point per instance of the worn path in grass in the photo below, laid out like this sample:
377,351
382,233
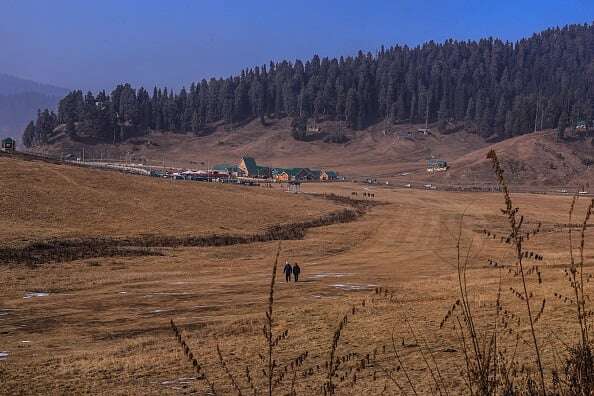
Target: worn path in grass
103,327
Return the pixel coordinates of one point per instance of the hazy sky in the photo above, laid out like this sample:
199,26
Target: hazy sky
96,44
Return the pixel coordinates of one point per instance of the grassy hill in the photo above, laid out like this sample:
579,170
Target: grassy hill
46,200
398,155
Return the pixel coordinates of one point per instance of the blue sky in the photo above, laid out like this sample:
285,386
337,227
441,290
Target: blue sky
97,44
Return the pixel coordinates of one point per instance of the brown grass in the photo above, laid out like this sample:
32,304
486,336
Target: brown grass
86,337
48,201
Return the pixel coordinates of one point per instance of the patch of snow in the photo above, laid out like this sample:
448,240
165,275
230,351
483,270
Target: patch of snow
169,293
3,355
353,287
123,292
180,381
330,274
5,311
35,294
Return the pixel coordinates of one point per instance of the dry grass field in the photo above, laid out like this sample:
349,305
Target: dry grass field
102,325
57,201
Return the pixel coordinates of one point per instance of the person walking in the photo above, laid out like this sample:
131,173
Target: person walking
296,272
287,270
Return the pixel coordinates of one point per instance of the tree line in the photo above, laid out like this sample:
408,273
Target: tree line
495,88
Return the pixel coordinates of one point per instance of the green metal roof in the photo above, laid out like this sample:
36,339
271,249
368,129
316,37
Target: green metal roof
225,167
250,164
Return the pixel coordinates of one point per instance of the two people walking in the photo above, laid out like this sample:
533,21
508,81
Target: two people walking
288,270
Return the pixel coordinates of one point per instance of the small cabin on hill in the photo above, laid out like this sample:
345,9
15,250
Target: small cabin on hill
312,126
8,145
437,165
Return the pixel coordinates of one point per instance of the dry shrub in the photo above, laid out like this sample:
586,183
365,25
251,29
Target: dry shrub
62,250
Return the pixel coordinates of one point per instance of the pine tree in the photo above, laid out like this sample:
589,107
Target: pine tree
29,135
351,111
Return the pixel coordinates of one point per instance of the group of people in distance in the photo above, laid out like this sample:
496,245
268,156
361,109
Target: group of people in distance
288,270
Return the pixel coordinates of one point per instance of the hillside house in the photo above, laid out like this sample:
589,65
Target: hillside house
303,174
283,177
437,165
312,127
249,168
290,174
328,175
8,145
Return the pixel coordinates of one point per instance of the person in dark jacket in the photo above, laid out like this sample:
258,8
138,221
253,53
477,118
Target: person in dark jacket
287,270
296,272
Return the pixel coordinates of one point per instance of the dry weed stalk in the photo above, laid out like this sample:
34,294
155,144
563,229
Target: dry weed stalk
515,223
579,365
271,342
200,372
490,348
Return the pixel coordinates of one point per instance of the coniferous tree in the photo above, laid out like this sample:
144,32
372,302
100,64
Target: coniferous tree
29,135
496,88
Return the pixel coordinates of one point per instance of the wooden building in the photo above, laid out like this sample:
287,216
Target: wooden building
8,145
328,175
437,165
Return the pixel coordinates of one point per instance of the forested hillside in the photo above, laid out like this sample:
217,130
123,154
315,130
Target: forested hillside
498,89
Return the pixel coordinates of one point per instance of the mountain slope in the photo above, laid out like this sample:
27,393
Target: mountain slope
368,152
11,85
19,101
536,159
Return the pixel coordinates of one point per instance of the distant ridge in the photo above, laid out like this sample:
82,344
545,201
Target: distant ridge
12,85
19,101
